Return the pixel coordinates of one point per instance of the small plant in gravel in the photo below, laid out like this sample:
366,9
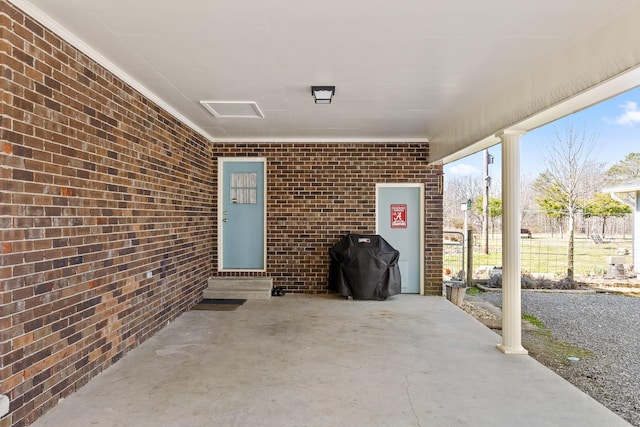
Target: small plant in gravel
534,321
547,349
474,291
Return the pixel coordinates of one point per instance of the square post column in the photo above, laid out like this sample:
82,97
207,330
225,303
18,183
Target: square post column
511,293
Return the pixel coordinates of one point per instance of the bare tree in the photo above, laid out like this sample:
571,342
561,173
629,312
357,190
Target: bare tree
572,174
625,170
527,197
458,190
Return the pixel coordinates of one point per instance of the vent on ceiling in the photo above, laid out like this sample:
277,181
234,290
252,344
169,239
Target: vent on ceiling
233,109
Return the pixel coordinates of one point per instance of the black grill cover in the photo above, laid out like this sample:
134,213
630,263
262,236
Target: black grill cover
365,267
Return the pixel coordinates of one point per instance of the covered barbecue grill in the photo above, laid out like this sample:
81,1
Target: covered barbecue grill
364,267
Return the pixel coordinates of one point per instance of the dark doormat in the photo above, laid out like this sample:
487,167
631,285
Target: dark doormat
219,304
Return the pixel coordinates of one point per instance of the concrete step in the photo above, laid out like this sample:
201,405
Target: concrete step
239,288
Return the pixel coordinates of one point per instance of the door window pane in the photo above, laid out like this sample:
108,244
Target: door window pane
244,188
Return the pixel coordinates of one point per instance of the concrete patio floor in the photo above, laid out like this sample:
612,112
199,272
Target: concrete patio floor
327,361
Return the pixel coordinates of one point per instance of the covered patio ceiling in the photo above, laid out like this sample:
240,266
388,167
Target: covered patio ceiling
452,73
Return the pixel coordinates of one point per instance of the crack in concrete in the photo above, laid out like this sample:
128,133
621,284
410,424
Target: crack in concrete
406,377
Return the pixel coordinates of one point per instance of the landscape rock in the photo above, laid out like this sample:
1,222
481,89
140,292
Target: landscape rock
602,328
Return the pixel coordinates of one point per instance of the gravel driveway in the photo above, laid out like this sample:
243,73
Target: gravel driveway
606,324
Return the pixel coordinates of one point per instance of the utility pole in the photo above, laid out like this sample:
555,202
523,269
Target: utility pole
488,159
466,243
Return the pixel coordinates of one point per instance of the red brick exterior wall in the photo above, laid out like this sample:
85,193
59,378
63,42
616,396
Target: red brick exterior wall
319,192
101,188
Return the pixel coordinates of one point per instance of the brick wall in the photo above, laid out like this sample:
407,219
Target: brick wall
101,188
317,193
106,221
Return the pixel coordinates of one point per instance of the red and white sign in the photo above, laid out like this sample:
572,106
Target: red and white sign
398,216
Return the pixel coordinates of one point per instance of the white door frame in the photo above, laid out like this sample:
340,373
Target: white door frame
421,209
221,161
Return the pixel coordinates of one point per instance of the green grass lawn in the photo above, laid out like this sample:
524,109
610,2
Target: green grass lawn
546,254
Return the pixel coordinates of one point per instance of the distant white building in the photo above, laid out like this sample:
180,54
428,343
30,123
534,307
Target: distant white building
629,193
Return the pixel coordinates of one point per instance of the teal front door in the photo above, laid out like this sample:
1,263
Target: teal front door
399,218
241,213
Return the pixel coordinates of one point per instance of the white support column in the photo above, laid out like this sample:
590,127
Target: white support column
511,297
636,234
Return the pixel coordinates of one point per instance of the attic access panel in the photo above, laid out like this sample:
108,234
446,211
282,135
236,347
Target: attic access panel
233,109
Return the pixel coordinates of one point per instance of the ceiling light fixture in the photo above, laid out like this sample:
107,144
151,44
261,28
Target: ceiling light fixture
323,94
